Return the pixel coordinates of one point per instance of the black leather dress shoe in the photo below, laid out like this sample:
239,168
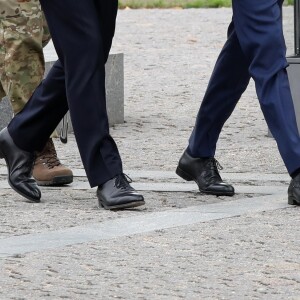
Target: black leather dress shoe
294,191
118,194
19,165
204,171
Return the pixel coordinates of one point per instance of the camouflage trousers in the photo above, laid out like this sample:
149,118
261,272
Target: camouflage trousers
23,33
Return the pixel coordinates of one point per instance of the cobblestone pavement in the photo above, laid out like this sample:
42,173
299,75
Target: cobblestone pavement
214,260
169,55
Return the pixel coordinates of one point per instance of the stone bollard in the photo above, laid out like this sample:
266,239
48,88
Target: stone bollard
293,71
114,93
6,112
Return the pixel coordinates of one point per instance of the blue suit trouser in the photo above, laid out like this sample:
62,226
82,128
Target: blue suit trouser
82,32
255,48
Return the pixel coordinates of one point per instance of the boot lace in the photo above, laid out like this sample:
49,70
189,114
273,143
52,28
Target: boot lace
123,181
48,156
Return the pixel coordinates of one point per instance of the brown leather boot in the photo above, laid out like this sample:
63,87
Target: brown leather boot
48,170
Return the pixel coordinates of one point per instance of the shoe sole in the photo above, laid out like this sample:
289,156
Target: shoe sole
122,206
24,195
188,177
56,181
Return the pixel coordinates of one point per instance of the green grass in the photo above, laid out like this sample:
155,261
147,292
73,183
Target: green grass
173,3
179,3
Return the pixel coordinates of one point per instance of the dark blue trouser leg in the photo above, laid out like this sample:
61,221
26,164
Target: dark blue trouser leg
82,33
258,29
229,80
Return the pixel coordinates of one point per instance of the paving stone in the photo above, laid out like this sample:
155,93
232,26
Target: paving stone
6,112
136,225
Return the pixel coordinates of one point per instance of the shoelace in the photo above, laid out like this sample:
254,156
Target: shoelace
214,164
51,160
123,181
49,156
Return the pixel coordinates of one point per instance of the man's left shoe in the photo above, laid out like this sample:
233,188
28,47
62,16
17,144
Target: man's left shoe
204,171
294,191
48,170
117,193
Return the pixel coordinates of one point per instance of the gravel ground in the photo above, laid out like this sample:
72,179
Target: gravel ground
169,55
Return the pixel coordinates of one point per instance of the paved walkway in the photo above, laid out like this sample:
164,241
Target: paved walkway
181,245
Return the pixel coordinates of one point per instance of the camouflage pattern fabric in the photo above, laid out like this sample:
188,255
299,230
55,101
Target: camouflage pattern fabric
23,33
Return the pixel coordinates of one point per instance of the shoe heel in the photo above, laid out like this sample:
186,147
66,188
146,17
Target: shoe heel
291,201
183,175
100,204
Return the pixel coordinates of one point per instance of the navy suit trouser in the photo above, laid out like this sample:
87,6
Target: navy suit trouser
255,48
82,33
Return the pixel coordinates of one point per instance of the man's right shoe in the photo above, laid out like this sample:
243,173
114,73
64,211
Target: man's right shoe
294,191
118,194
204,171
19,165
